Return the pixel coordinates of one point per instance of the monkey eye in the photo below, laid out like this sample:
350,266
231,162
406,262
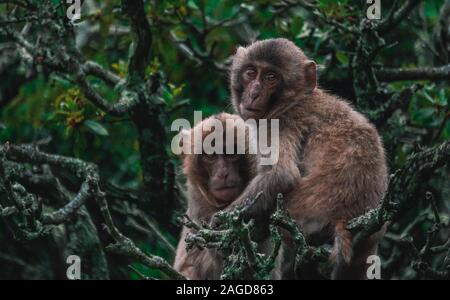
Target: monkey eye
271,77
250,73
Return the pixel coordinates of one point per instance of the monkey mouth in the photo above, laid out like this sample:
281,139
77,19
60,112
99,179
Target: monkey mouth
224,188
250,112
226,194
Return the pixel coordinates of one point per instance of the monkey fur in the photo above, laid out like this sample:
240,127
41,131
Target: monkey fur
207,175
331,166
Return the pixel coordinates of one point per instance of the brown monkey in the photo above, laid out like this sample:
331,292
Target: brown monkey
213,182
331,162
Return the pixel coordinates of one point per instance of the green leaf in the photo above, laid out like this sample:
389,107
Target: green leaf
428,97
193,5
446,131
342,58
296,26
442,98
96,127
425,114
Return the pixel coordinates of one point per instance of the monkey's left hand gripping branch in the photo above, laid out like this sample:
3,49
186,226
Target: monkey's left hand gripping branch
23,212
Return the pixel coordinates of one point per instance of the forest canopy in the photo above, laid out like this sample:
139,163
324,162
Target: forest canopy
86,106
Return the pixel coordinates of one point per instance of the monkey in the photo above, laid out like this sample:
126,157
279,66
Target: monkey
213,182
331,166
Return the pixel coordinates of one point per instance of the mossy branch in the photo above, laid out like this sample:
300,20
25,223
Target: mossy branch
89,189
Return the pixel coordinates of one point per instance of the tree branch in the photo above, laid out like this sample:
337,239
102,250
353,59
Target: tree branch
93,68
395,18
126,103
90,188
401,185
437,73
140,56
67,63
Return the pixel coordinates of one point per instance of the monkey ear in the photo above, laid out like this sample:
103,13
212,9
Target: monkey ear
310,75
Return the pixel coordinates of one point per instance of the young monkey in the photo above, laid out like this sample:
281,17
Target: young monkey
213,182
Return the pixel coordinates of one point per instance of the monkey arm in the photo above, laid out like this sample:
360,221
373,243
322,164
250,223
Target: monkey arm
197,264
270,183
180,263
271,180
185,260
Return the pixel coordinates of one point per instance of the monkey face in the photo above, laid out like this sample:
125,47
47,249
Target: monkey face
260,82
267,76
220,178
224,180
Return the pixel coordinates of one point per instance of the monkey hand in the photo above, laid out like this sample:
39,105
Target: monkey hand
241,211
216,221
220,219
223,217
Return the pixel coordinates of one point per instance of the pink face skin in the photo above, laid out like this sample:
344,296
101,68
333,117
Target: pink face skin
260,82
225,182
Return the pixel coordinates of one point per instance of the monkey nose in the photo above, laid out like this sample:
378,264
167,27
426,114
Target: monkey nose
223,175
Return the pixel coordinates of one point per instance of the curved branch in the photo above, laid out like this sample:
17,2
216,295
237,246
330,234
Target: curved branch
93,68
63,214
126,103
90,188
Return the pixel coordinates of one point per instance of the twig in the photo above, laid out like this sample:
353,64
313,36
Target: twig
139,273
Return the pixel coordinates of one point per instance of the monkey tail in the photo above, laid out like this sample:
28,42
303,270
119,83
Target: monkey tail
342,252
